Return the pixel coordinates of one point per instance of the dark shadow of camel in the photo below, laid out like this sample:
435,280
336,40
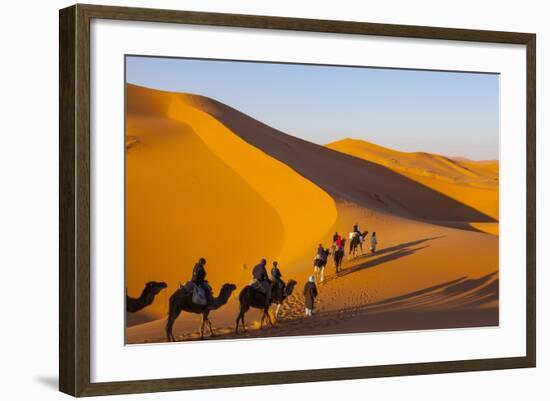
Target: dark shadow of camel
423,309
478,291
397,247
468,285
401,253
391,253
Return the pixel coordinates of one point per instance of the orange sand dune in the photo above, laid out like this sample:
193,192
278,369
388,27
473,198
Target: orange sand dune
268,194
344,177
181,161
455,170
474,184
410,283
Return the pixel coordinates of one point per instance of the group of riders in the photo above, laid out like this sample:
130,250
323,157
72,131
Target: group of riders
266,283
356,238
260,281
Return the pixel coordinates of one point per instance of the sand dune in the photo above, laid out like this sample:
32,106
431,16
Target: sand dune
455,170
182,160
474,184
344,177
278,196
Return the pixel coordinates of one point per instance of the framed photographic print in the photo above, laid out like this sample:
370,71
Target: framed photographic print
332,199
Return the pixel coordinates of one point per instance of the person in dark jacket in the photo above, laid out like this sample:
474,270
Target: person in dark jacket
310,293
261,281
199,279
320,250
276,277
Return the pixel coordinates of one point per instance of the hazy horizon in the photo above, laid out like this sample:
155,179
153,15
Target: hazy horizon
455,114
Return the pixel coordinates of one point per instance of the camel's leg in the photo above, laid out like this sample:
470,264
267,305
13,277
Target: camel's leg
239,317
210,326
172,316
266,313
322,275
277,311
203,321
262,321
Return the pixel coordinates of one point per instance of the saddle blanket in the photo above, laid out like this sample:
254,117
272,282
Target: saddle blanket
257,286
198,296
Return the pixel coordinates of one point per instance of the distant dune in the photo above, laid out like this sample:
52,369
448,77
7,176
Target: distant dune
451,169
474,184
204,179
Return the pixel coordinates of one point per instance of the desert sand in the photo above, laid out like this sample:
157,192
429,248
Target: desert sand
203,179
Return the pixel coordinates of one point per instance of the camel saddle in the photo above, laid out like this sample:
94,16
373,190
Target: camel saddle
257,285
198,296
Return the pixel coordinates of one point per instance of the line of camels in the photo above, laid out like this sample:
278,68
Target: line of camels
181,300
249,297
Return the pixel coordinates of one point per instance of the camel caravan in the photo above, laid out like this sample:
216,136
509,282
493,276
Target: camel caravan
356,241
196,296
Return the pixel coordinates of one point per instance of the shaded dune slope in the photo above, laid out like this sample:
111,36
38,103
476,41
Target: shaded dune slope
345,177
454,170
474,184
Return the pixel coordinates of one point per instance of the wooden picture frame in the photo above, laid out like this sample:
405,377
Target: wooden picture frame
74,199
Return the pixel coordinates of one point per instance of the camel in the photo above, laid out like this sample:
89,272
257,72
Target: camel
339,256
252,297
319,266
152,288
355,243
181,300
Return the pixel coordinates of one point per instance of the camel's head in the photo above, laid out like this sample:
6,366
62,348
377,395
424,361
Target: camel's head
290,287
228,288
225,292
155,286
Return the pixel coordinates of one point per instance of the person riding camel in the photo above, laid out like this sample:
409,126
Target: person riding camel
320,253
276,276
336,237
355,231
261,281
320,249
338,243
199,279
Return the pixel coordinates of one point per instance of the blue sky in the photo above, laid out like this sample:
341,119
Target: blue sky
450,113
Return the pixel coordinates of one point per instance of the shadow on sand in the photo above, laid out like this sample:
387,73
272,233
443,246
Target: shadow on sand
388,254
460,303
457,294
449,305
